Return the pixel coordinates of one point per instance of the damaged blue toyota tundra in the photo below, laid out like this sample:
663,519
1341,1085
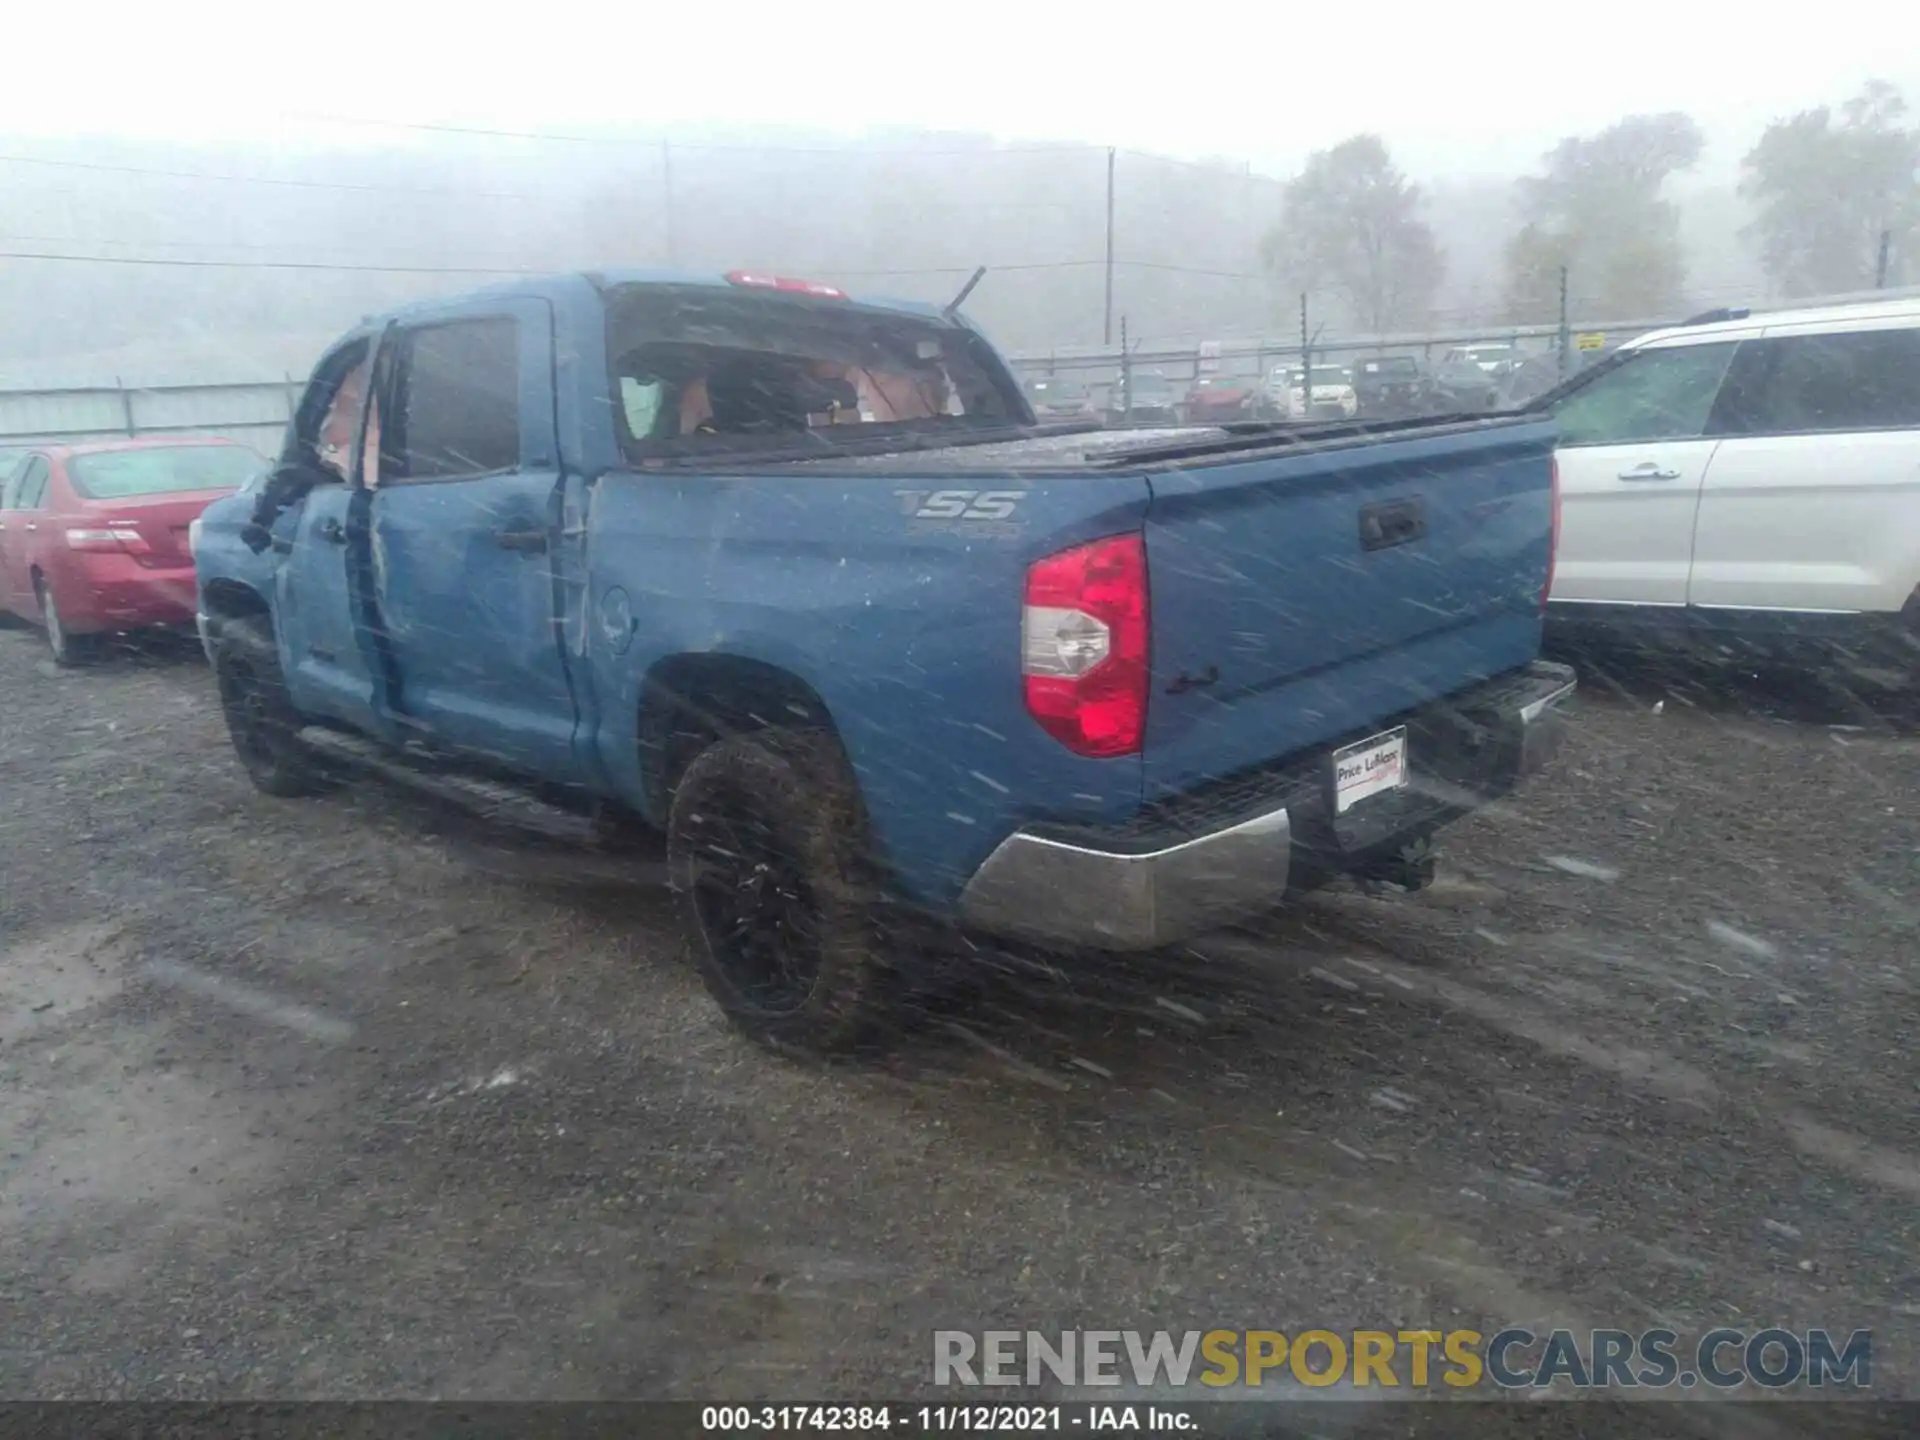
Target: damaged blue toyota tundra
797,579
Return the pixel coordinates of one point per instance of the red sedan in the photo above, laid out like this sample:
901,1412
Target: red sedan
93,538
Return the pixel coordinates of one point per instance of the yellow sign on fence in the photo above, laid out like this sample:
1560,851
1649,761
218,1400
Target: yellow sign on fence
1592,340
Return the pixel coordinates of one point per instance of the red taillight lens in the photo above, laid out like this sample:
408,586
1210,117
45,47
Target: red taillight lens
1553,537
119,538
1083,646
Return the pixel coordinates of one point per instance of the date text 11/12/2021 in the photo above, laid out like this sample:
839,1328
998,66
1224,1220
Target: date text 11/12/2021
948,1419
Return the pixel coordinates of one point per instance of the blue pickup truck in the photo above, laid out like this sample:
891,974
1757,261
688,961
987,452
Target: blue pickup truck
799,580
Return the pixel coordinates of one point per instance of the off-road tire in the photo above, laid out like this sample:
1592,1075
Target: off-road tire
767,857
261,720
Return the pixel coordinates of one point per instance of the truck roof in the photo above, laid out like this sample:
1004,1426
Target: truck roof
554,286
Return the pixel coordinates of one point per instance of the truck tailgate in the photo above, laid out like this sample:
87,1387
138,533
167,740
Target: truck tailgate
1299,598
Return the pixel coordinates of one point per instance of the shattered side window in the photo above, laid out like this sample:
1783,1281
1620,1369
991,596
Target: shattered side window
642,400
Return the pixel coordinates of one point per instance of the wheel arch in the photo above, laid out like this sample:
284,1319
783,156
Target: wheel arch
690,700
226,599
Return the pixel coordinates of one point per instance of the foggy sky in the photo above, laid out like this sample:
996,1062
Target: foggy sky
1478,90
359,121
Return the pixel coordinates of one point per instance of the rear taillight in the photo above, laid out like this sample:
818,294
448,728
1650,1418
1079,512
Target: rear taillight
1553,536
121,539
1083,645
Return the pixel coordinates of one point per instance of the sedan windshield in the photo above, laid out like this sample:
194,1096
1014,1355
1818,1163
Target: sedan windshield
161,470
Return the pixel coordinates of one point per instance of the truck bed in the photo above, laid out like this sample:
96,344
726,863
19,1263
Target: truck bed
1122,447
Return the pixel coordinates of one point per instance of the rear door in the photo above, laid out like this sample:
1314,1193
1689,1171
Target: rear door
463,513
1812,502
1633,453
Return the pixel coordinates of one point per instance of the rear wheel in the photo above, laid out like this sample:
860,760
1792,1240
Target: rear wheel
261,720
67,648
765,849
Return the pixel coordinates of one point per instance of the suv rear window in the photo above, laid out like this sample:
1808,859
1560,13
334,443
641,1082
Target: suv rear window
162,470
1802,384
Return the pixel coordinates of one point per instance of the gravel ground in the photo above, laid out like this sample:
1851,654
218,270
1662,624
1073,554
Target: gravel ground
339,1098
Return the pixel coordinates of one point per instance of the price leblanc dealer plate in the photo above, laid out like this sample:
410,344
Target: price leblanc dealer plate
1376,764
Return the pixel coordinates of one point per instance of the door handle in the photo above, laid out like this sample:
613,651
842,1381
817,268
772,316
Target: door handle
331,531
1649,470
527,542
32,526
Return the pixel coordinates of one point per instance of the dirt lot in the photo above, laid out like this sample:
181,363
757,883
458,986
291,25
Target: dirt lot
337,1098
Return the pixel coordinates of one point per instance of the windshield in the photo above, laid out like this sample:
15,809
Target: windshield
161,470
1393,366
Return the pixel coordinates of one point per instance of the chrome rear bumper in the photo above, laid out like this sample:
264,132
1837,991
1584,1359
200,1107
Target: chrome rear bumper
1139,897
1051,890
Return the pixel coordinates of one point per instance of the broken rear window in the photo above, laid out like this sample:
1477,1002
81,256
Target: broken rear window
695,369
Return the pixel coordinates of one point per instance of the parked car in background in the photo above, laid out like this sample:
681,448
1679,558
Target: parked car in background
94,537
1494,357
1530,378
1054,398
1756,477
1333,392
1461,386
1214,398
1390,386
1146,397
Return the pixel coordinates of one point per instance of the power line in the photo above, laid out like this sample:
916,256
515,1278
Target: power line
184,263
985,152
196,263
94,240
1190,270
261,179
1223,168
424,269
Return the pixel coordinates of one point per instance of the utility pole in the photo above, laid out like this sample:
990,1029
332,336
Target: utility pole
1126,373
1563,337
1106,329
1880,270
666,195
1306,368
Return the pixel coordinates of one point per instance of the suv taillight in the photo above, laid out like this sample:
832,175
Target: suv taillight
1083,645
1553,537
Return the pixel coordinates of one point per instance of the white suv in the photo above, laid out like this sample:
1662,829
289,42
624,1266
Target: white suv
1756,475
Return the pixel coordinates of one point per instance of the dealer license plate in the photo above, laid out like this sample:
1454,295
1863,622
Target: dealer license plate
1375,765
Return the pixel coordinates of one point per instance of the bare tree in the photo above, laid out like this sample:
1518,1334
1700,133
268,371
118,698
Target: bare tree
1597,209
1351,227
1827,190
